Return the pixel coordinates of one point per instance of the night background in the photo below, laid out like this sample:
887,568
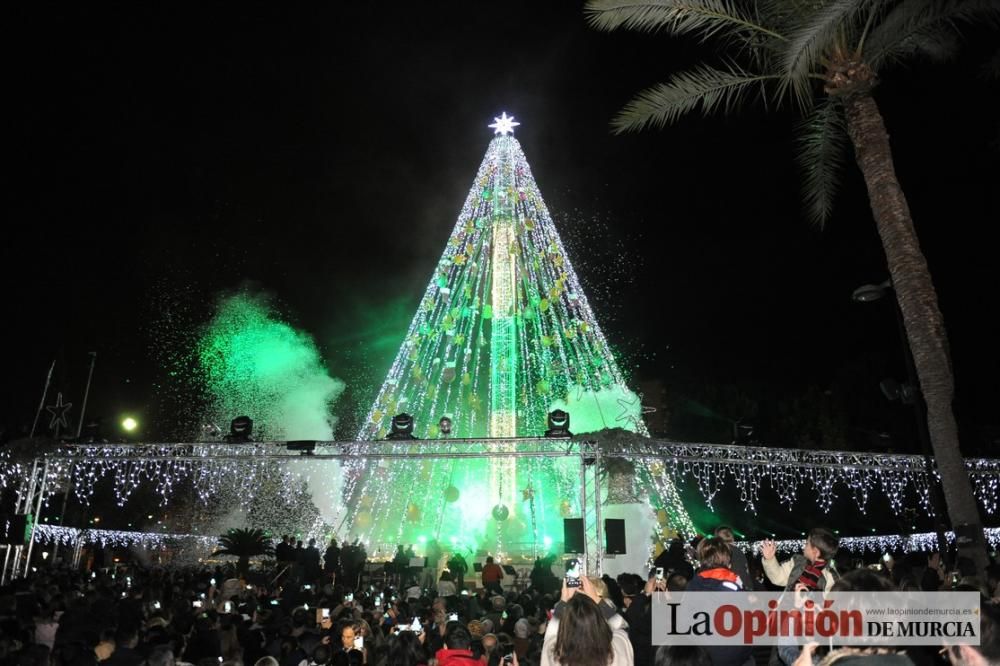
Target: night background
165,155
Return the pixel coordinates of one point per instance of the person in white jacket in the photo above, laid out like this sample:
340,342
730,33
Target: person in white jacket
584,631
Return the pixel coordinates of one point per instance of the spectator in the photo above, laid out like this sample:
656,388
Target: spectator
677,582
164,656
638,614
585,632
406,649
125,654
714,575
738,560
457,643
522,637
682,655
810,568
715,572
350,651
988,650
445,586
489,643
932,578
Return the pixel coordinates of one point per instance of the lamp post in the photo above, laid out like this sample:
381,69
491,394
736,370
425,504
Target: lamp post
869,293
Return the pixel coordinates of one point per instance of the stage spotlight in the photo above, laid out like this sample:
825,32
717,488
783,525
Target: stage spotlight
743,433
444,426
904,392
304,446
240,430
402,427
558,424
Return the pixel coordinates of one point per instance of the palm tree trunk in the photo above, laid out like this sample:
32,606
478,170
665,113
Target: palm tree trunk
922,318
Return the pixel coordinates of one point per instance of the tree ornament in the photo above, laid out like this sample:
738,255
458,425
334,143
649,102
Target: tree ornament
500,513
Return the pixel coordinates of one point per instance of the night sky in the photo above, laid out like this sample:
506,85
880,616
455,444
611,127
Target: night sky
163,154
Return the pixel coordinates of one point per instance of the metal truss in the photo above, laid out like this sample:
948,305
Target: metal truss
30,496
709,464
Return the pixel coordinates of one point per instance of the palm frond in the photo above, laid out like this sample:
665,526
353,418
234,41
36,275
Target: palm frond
705,87
815,36
704,18
924,28
822,151
244,542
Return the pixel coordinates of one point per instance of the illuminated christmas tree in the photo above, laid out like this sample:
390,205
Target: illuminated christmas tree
502,335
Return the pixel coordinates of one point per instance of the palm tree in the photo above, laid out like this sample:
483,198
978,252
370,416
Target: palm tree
244,544
825,58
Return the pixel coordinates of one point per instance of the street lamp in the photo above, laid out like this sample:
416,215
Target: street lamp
909,394
868,293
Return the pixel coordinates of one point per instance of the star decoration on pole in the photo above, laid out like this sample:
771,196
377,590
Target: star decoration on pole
627,406
59,412
504,125
528,494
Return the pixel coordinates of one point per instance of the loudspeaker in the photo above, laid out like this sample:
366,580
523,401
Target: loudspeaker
573,535
13,529
614,536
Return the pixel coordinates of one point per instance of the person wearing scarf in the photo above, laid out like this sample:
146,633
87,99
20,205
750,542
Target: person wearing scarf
714,575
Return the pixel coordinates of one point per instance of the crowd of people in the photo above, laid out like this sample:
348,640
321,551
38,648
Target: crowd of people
305,611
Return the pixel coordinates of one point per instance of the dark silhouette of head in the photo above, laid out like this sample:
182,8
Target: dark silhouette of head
457,637
713,553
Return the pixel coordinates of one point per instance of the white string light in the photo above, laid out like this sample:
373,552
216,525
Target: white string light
878,543
228,471
882,543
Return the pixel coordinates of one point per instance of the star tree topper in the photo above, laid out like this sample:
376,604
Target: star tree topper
504,125
59,412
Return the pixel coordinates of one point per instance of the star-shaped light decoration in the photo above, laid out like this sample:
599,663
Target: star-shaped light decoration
627,406
504,125
59,412
528,493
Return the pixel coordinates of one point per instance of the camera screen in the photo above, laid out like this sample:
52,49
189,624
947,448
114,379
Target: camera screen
573,573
